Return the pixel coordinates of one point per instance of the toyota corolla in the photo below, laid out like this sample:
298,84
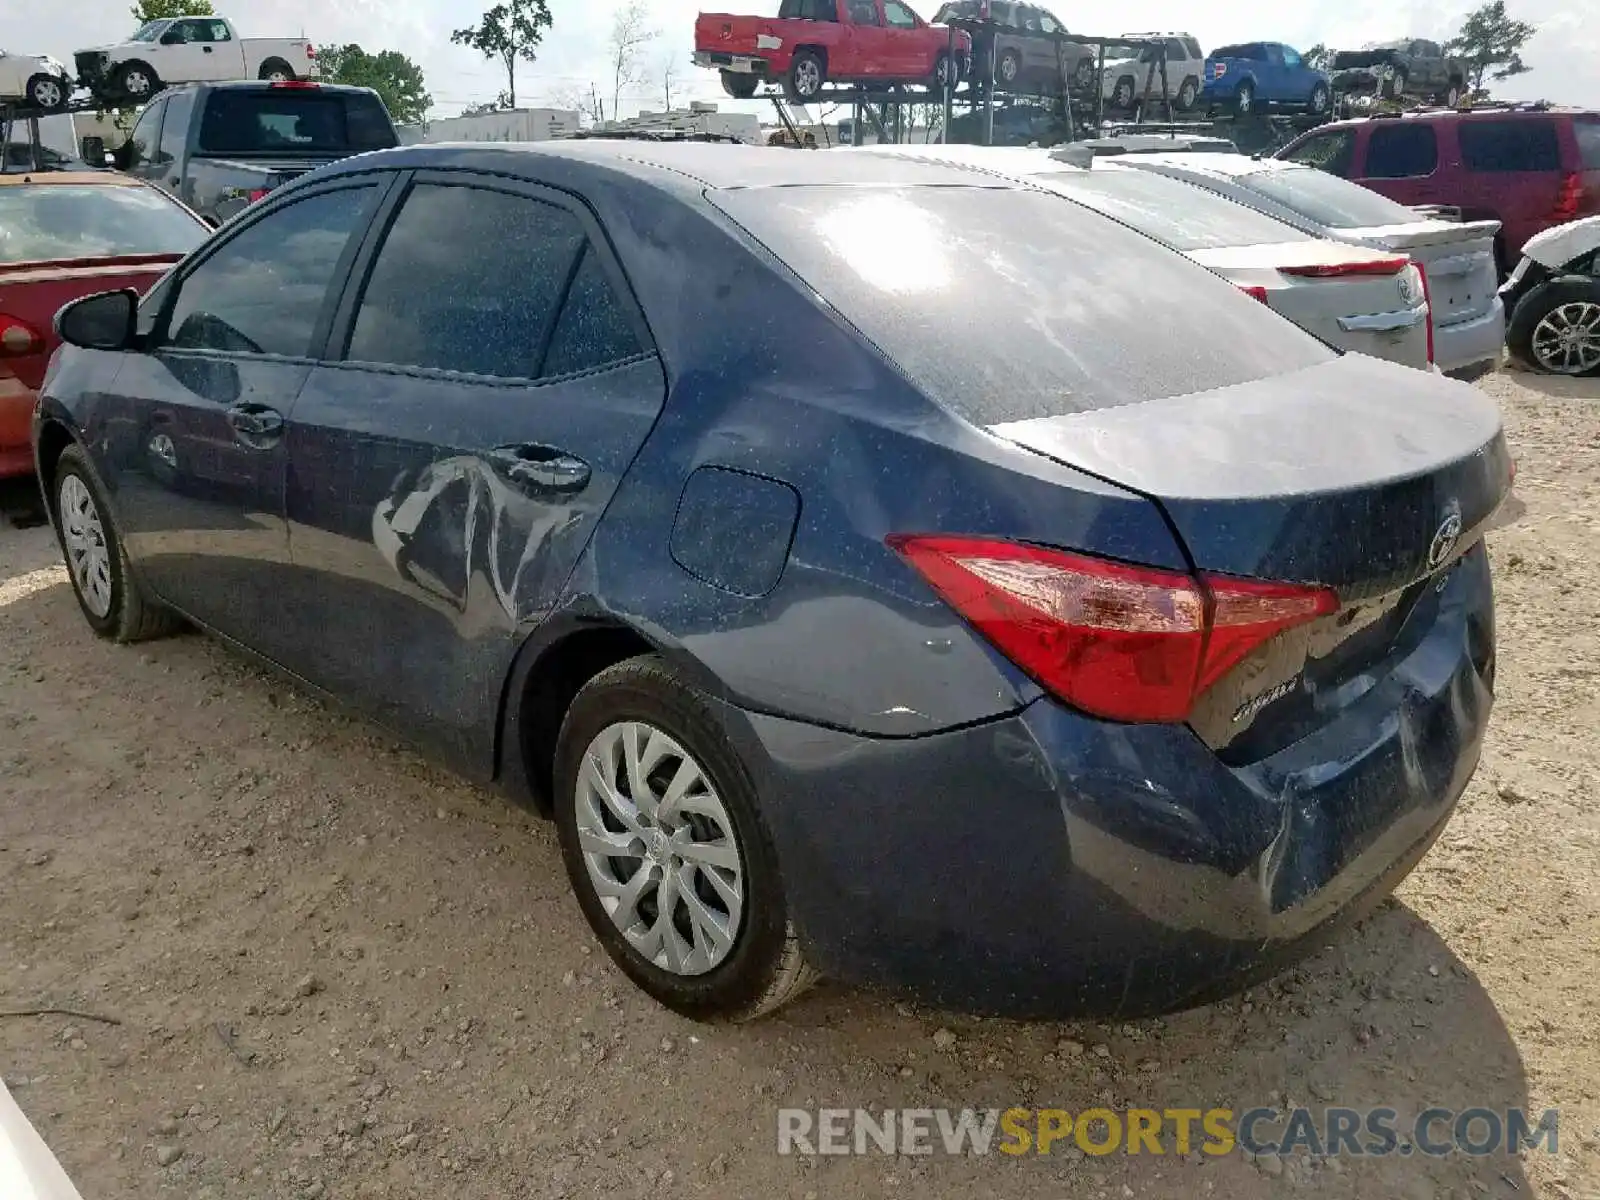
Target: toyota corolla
877,569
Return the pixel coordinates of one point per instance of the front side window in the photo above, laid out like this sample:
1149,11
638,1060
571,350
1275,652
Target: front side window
1291,58
1501,147
497,266
143,141
1402,151
898,15
264,289
1330,152
864,12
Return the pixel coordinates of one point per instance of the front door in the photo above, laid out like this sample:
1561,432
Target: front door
195,426
450,459
186,52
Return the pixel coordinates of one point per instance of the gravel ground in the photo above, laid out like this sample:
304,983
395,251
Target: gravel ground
341,972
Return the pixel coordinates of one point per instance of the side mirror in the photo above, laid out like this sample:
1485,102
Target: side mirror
105,321
93,151
122,156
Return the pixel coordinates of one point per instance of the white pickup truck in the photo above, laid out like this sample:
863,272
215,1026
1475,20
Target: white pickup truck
188,50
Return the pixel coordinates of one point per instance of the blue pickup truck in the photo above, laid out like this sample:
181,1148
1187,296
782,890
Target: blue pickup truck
1257,75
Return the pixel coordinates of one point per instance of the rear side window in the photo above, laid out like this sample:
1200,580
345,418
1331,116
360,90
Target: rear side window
1401,151
1070,299
175,126
594,328
1326,199
1179,214
1499,147
1587,131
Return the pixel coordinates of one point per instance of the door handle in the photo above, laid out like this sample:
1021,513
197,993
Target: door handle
542,469
255,421
207,49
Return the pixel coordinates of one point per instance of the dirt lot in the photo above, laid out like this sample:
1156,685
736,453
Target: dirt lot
341,972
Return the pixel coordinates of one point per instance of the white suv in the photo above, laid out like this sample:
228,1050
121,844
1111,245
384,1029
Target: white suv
1123,83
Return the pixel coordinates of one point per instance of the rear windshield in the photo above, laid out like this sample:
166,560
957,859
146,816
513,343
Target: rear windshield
60,221
1182,216
1326,199
294,121
1010,304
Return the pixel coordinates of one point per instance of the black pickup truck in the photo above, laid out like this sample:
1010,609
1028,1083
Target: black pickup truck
219,147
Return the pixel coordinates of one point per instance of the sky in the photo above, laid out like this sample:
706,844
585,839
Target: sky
1564,53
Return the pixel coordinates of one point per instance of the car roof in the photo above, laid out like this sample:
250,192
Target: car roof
1459,114
58,178
1230,166
709,165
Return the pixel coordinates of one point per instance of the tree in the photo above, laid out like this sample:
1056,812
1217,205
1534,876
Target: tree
1491,39
669,76
396,79
499,104
509,31
161,10
1318,58
629,35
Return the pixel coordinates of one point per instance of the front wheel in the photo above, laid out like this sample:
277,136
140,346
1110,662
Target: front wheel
665,847
48,92
112,600
806,77
739,85
945,75
1320,99
1010,69
1122,94
137,82
1556,327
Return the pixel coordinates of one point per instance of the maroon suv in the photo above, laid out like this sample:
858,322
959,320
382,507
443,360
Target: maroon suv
1528,167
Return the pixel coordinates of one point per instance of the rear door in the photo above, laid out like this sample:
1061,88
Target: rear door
1402,161
195,426
450,457
910,54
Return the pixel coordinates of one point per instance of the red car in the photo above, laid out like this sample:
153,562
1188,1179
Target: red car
814,42
1528,168
66,234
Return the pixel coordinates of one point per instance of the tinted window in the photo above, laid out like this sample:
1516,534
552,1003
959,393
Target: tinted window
594,328
495,266
1326,199
808,10
1500,146
1291,58
175,128
1331,152
262,292
1067,312
1401,151
1179,214
54,221
294,121
1245,51
1587,131
145,133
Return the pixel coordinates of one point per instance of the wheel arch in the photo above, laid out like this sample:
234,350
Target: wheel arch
55,435
276,60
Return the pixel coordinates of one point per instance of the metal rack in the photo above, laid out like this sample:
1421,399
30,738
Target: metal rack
29,115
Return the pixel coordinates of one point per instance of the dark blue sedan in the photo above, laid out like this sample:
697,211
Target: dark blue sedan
875,568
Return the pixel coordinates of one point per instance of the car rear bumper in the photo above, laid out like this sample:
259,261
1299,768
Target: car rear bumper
1051,865
1474,346
16,421
740,64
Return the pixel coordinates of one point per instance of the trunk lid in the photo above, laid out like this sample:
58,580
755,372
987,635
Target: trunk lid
34,292
1357,475
1458,257
1383,315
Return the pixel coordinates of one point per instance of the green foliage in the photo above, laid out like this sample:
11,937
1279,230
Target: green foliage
160,10
510,31
1491,42
396,79
1318,58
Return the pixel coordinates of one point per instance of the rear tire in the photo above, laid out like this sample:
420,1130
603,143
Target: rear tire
275,70
739,85
1533,335
1244,100
1009,70
601,802
111,598
1320,99
943,69
1395,87
807,74
1122,94
1188,94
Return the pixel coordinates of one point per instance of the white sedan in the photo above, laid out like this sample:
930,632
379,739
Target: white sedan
35,79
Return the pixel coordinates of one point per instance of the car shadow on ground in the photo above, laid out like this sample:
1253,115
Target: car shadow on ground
1557,387
439,915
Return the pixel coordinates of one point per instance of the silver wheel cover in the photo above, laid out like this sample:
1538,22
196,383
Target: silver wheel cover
659,848
84,536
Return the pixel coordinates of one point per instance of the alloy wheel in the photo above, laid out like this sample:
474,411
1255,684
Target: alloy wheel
808,78
659,848
47,93
1566,340
136,83
84,535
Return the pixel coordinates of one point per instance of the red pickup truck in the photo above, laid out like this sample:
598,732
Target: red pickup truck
814,42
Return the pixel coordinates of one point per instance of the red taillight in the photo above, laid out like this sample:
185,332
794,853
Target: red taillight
311,51
1569,198
304,84
1121,642
1427,298
259,194
1374,266
1255,293
1218,70
18,338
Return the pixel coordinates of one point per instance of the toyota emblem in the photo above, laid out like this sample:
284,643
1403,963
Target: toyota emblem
1409,292
1444,541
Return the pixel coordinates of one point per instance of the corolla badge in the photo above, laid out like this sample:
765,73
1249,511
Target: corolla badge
1444,541
1410,293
